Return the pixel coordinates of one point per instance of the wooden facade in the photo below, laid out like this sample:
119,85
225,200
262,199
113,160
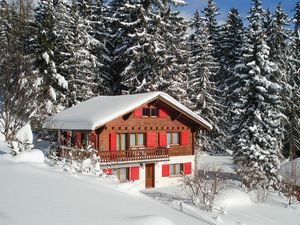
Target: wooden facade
158,130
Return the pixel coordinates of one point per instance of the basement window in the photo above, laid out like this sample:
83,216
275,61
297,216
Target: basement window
176,169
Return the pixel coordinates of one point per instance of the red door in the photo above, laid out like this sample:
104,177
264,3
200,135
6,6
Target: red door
150,175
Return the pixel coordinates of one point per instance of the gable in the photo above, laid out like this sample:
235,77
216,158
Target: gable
100,110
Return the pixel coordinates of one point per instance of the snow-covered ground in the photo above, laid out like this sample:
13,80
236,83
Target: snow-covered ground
36,194
215,162
33,193
233,207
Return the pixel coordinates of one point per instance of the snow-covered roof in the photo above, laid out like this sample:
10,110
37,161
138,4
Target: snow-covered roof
100,110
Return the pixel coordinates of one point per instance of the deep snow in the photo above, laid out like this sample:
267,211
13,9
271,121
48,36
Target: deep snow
237,208
36,194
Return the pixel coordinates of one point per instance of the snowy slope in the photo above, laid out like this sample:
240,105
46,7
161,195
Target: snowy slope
99,110
237,206
38,195
216,162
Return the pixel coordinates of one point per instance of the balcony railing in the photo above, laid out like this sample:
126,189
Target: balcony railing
139,155
115,157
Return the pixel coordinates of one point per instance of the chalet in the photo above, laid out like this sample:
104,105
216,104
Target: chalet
146,138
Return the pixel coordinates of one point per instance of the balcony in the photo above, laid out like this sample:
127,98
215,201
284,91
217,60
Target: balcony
137,155
117,157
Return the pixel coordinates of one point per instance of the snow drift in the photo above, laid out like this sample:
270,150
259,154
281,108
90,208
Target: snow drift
35,156
232,198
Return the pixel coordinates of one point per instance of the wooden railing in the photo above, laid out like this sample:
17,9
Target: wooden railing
108,157
133,155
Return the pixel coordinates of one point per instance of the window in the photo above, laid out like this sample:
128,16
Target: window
121,142
146,112
153,112
173,138
132,139
176,169
122,174
141,139
137,139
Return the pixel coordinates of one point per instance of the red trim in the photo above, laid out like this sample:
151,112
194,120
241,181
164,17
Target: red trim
112,142
187,168
151,139
93,139
165,170
134,173
162,138
184,138
68,137
162,113
138,112
108,171
78,139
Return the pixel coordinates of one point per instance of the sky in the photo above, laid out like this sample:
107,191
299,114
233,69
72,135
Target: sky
242,5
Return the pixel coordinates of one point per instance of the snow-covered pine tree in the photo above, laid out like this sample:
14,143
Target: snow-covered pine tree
293,129
202,89
50,83
278,40
100,32
4,27
16,78
257,150
211,12
81,65
175,71
231,43
139,48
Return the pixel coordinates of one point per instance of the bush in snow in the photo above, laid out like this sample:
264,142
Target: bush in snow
202,188
75,163
258,195
24,139
291,177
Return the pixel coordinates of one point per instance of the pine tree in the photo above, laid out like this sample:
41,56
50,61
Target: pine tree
94,16
211,12
202,89
138,46
175,80
81,65
51,85
259,126
294,81
231,47
16,78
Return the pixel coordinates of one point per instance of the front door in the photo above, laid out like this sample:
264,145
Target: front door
150,173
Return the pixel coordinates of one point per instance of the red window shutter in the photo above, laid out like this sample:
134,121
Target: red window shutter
162,113
138,112
165,170
112,141
162,138
134,173
68,137
151,139
108,171
93,139
78,139
187,168
184,138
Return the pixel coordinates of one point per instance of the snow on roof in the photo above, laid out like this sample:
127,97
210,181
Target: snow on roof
100,110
